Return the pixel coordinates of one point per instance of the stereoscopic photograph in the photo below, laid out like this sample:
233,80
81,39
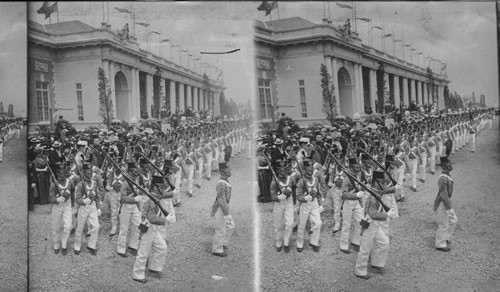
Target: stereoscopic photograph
140,131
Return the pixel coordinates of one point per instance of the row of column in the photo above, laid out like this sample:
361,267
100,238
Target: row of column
189,97
418,91
182,96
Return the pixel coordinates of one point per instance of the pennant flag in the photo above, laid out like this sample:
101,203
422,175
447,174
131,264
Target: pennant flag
420,53
47,9
164,41
265,6
123,10
377,27
143,24
398,41
51,9
44,8
387,35
344,6
196,59
407,45
364,19
155,32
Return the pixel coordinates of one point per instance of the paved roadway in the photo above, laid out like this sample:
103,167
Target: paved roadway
413,265
189,265
13,218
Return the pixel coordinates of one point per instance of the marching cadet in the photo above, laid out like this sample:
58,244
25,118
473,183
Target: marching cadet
200,161
152,247
413,162
115,180
334,195
223,221
208,155
180,166
308,194
375,239
352,210
445,215
422,151
87,197
129,213
60,196
281,194
431,149
191,164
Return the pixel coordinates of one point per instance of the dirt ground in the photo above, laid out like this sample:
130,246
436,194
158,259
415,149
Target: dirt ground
190,265
13,219
413,265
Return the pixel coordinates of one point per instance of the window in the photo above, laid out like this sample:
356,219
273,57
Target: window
266,107
79,100
302,90
42,99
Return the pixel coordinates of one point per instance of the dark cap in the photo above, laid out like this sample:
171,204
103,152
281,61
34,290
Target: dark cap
157,180
131,165
353,161
377,174
223,165
87,166
307,163
445,159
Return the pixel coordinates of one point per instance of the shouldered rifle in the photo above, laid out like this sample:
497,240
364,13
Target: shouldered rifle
131,181
380,165
160,172
275,177
369,190
52,176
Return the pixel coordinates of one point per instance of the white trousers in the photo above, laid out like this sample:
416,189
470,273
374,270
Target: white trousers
152,252
423,165
113,198
374,247
223,231
283,221
62,215
334,198
199,171
85,213
190,176
432,158
129,216
309,211
413,164
208,166
446,225
352,213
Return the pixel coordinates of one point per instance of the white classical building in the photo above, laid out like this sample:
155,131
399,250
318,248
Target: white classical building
289,55
63,62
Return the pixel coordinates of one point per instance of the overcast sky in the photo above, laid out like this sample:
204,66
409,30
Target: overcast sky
197,27
13,56
461,34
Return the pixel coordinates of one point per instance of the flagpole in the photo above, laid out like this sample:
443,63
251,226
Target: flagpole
107,9
355,20
57,7
103,18
278,8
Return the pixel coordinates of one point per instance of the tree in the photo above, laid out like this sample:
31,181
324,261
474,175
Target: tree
105,102
329,99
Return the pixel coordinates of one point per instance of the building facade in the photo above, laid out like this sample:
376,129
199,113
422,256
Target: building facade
63,61
288,59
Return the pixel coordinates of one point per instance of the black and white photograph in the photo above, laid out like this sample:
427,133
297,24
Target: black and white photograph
249,146
13,169
377,146
140,132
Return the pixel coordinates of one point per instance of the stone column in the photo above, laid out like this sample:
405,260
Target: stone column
195,97
335,83
397,99
188,97
134,102
413,93
373,89
173,105
419,93
425,93
440,96
181,97
111,75
149,94
405,92
361,90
